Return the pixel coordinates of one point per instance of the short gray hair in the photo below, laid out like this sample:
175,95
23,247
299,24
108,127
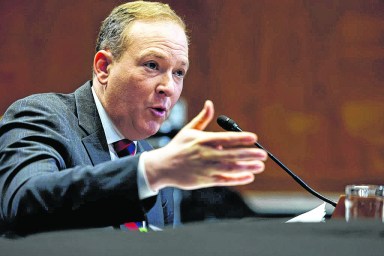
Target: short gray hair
112,37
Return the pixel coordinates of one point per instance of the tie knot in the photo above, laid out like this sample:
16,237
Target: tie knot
124,147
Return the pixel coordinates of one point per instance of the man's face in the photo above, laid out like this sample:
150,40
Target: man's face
146,82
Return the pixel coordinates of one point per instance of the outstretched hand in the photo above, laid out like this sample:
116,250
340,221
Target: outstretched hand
195,158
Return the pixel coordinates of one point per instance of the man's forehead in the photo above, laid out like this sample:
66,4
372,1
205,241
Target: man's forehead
142,29
158,39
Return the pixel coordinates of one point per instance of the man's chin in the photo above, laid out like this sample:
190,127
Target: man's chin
150,130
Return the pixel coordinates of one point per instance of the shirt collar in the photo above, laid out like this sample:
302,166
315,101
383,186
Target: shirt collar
111,132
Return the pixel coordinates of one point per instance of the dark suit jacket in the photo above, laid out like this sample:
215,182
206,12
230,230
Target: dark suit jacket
56,173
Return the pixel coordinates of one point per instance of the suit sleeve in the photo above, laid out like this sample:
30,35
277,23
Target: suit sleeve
47,180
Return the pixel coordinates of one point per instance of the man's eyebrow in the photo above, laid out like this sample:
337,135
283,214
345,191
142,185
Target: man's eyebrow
185,63
153,53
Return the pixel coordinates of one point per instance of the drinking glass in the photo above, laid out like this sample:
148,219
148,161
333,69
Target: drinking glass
364,202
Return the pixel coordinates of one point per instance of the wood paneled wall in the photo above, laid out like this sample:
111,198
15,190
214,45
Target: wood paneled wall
306,76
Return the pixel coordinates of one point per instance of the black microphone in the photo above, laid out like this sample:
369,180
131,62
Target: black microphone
228,124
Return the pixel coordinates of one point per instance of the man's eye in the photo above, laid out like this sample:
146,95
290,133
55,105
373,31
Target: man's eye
151,65
179,73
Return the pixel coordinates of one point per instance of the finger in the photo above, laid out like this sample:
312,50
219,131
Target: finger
228,139
205,116
222,180
237,167
255,167
233,157
245,154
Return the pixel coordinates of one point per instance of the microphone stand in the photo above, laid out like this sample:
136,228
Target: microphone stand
228,124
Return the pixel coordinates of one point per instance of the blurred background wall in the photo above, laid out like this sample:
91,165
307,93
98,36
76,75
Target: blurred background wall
305,75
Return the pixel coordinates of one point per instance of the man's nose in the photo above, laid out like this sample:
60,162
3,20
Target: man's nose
166,85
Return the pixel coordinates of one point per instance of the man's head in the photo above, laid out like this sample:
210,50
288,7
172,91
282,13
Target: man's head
139,66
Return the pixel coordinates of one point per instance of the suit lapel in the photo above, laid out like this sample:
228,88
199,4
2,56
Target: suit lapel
97,151
142,146
94,141
155,215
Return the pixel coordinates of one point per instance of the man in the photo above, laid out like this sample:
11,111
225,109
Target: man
59,167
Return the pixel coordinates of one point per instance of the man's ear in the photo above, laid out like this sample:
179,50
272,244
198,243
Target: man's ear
101,62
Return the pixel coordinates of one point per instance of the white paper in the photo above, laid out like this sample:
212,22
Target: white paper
315,215
154,228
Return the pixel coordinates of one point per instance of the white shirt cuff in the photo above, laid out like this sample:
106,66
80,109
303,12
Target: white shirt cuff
144,190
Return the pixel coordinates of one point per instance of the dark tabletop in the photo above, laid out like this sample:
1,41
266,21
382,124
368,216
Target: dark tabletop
252,236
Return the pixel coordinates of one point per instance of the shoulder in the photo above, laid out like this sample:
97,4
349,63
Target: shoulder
37,115
56,104
40,104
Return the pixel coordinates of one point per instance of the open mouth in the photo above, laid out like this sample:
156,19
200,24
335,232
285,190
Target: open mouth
159,111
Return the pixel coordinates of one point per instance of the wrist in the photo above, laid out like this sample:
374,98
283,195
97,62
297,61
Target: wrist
153,166
145,191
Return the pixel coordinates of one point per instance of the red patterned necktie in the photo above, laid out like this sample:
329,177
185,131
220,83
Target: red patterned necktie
123,148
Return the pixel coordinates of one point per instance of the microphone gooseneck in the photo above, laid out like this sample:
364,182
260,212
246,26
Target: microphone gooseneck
228,124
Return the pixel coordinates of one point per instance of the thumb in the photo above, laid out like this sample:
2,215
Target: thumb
203,118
